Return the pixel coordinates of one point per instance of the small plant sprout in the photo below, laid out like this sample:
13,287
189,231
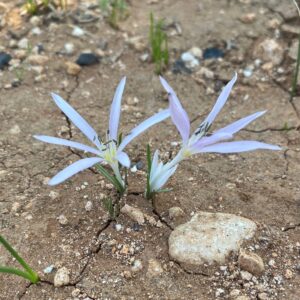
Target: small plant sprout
116,11
201,141
109,152
27,273
159,44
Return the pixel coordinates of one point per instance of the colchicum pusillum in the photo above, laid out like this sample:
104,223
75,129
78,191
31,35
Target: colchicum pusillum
201,141
110,151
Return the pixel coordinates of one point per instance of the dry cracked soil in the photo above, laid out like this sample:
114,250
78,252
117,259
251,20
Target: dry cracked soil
68,226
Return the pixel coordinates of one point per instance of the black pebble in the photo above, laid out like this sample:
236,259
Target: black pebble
87,59
210,53
136,226
179,67
4,59
139,165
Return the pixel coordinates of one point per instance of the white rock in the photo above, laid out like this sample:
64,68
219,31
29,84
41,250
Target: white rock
69,48
35,20
269,50
209,237
137,265
78,32
189,60
246,275
154,268
48,269
133,213
88,206
118,227
36,31
62,219
23,43
197,52
53,195
219,292
62,277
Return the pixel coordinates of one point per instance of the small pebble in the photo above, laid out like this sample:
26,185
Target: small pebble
87,59
72,68
251,262
133,213
69,48
78,32
175,212
49,269
75,293
62,219
213,53
15,207
35,20
246,275
4,59
288,274
88,206
137,266
36,31
154,268
118,227
263,296
189,60
62,277
23,43
38,59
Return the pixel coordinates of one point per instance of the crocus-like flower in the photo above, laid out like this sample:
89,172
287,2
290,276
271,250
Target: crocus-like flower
110,151
201,140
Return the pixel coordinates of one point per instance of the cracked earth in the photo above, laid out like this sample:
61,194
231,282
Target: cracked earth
263,186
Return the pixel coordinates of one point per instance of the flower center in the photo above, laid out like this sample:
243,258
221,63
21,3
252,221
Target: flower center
110,152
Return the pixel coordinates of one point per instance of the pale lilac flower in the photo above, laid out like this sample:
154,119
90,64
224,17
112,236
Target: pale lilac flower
201,141
108,151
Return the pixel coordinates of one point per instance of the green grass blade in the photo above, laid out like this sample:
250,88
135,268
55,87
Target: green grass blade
111,179
33,276
20,273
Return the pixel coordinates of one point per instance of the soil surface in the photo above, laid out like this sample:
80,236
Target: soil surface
114,259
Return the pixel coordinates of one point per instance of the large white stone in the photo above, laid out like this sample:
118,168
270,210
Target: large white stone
209,238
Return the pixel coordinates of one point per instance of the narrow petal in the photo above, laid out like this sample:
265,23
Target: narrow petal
77,119
154,163
59,141
178,114
158,117
209,140
115,110
240,124
238,146
124,159
73,169
220,101
161,181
